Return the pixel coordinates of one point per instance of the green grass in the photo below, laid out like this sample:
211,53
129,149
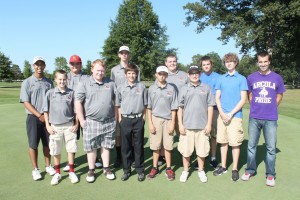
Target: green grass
16,181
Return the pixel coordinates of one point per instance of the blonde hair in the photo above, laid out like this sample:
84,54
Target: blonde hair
230,57
99,62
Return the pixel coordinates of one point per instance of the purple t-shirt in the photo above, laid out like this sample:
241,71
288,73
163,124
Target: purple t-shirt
264,90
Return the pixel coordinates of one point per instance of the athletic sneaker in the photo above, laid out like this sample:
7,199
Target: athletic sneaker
184,176
36,174
235,175
213,163
153,173
50,170
109,174
219,171
170,174
73,177
55,179
246,176
90,176
270,181
202,176
66,168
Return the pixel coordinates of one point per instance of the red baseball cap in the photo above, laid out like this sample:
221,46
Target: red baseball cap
75,59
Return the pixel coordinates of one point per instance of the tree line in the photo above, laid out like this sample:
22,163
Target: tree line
255,25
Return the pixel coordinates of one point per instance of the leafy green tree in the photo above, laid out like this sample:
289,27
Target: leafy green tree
27,70
5,67
61,63
87,68
48,75
215,58
16,72
137,26
255,25
247,65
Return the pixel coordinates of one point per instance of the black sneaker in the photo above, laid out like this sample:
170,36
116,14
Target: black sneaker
141,177
235,175
213,163
219,171
125,176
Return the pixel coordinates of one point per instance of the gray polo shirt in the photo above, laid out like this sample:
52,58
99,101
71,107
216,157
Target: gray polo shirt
73,80
33,90
98,98
162,100
131,99
59,105
195,101
179,79
117,74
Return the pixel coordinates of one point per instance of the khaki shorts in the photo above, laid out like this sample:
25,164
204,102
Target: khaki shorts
194,139
214,127
232,133
63,134
161,136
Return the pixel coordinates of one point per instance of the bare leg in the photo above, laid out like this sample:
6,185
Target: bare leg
235,157
47,156
168,157
91,156
105,156
155,157
33,154
186,163
224,150
201,162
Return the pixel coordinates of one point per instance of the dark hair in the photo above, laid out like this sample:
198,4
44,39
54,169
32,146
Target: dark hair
263,54
170,56
204,58
60,71
132,67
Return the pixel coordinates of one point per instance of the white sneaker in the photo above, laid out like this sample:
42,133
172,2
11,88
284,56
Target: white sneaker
73,177
246,176
109,174
270,181
202,176
50,170
98,164
66,168
90,176
36,174
184,175
55,179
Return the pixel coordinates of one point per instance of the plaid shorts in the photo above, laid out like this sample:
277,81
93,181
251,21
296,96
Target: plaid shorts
99,134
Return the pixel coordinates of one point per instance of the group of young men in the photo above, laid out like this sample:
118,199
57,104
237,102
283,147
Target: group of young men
202,108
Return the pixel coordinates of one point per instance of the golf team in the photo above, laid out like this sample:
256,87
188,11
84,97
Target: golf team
201,108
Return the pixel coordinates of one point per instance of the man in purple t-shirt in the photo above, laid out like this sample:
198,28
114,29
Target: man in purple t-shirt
266,90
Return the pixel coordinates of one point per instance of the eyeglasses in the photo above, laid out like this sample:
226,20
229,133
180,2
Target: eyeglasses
194,73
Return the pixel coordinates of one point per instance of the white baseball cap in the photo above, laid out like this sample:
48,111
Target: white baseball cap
162,69
37,58
124,48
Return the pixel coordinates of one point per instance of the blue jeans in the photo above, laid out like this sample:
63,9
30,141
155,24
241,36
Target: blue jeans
269,129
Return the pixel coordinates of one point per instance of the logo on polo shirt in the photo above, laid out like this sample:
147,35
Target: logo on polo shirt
106,87
138,91
169,93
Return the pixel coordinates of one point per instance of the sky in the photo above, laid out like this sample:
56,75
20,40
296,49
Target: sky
62,28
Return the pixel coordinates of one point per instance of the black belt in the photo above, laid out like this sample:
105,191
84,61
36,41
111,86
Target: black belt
132,116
